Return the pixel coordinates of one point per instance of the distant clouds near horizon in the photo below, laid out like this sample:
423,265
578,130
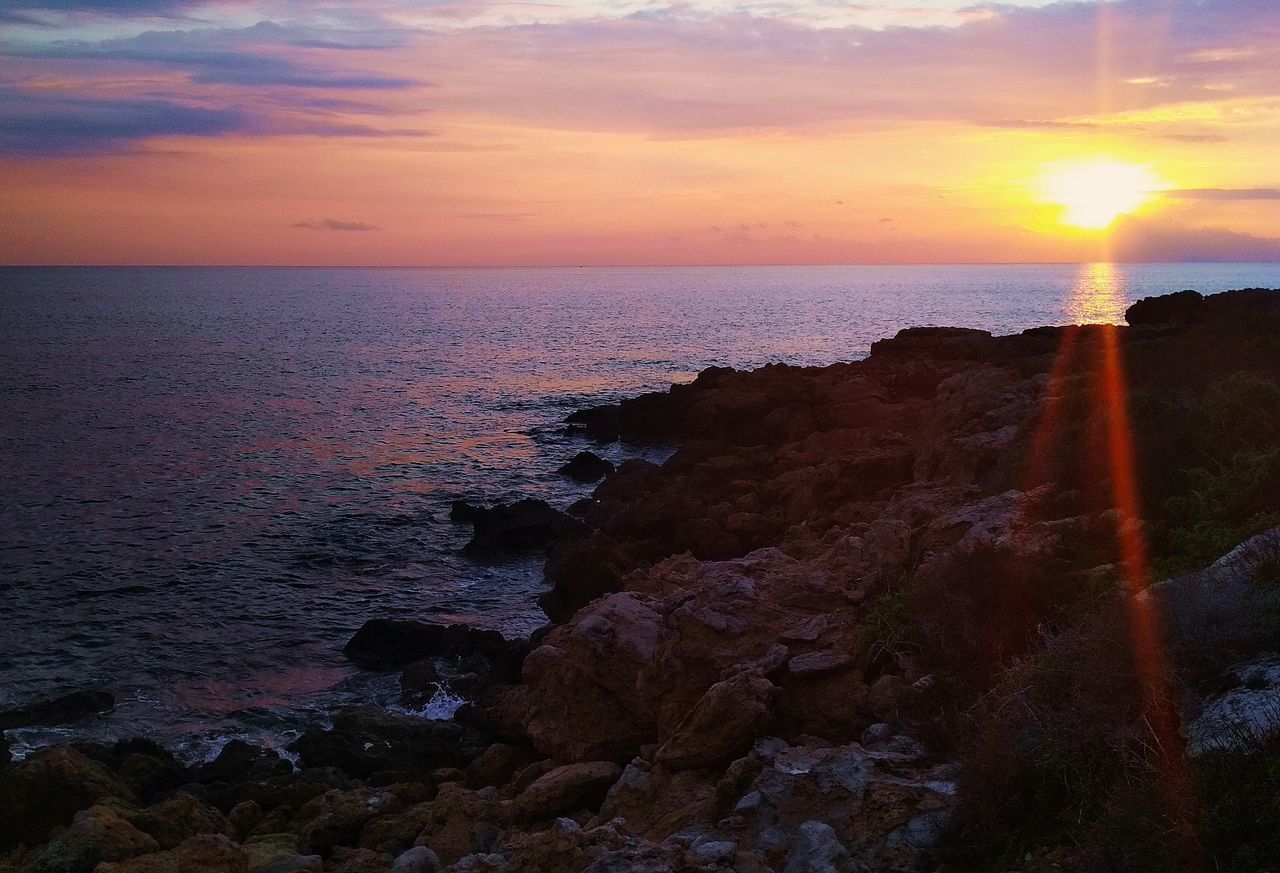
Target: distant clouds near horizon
709,131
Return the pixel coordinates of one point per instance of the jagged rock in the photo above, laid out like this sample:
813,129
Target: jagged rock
95,834
566,788
817,849
47,788
586,467
68,708
723,726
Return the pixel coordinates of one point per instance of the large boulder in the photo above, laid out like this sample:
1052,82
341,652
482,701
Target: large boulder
722,726
565,789
59,710
384,643
366,740
47,788
95,834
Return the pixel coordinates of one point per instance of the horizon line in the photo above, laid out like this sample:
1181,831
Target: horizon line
611,266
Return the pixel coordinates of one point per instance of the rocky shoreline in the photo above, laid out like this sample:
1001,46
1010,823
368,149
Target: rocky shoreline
872,616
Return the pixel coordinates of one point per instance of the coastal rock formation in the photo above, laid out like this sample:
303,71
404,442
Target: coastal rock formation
892,615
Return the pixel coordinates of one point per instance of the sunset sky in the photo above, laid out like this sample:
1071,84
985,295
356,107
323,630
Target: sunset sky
635,132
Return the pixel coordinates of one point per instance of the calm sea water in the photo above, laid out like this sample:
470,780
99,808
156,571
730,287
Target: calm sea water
212,477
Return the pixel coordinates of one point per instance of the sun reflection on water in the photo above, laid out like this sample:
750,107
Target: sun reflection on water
1098,295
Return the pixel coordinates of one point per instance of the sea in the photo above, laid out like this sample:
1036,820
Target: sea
211,477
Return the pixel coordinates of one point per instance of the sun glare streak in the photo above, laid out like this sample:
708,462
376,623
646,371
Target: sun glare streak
1094,194
1096,353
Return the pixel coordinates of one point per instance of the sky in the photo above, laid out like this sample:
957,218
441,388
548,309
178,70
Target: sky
467,132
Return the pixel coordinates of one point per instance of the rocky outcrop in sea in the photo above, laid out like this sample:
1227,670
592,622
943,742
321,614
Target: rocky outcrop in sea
890,615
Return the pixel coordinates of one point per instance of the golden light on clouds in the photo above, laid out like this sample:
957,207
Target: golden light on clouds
1093,194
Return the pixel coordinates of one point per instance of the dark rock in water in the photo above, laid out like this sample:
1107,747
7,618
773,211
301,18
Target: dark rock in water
365,740
5,755
598,422
59,710
525,524
46,789
586,467
242,762
462,511
386,644
419,682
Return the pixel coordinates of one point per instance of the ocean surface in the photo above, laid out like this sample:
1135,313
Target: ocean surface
212,477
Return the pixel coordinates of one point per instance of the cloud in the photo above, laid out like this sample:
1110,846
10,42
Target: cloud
157,8
334,224
1147,241
61,125
1225,193
69,125
232,56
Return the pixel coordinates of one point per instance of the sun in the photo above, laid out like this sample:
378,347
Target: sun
1093,194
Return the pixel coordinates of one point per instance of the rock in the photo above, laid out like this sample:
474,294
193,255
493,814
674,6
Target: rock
586,467
5,755
1246,717
239,761
580,570
69,708
178,817
366,740
243,818
203,854
395,832
525,524
566,788
47,788
265,849
149,774
336,818
1179,308
461,822
598,422
359,861
419,859
419,681
818,662
291,864
723,725
382,644
95,834
495,765
817,849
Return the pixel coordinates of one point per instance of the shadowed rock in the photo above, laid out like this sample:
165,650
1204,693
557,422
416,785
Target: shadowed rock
59,710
